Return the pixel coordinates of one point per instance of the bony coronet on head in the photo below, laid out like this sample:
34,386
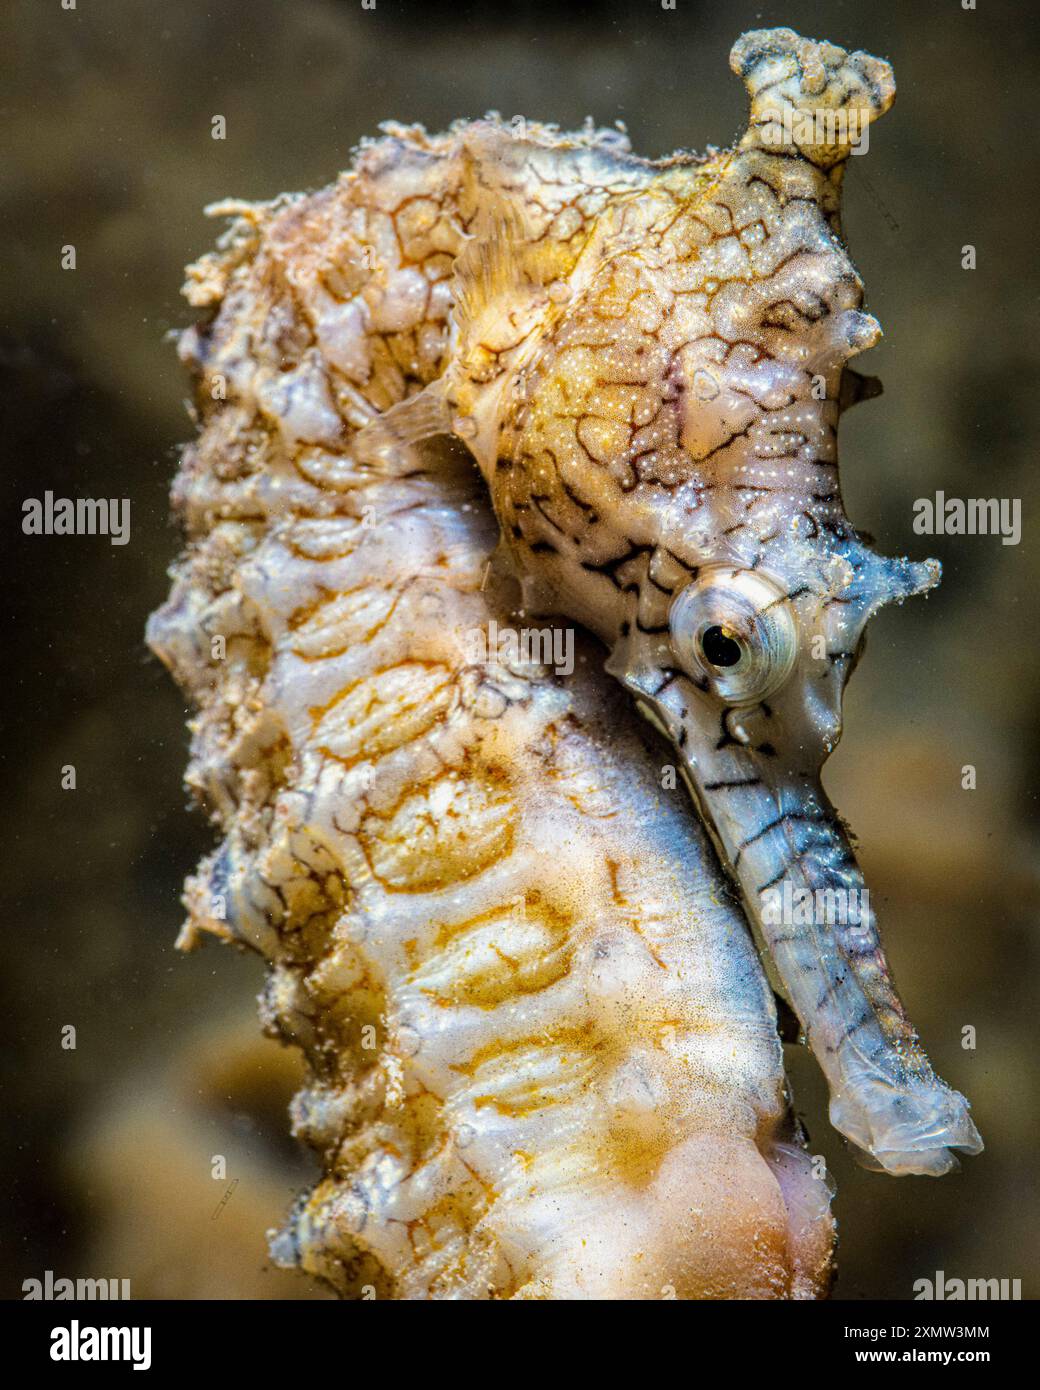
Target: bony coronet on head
733,630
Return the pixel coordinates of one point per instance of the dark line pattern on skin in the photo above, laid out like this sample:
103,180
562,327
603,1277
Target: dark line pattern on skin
784,818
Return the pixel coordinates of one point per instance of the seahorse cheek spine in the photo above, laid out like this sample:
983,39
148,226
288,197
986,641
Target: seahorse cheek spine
544,1056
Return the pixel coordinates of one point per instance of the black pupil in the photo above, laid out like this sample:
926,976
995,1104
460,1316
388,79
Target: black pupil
720,649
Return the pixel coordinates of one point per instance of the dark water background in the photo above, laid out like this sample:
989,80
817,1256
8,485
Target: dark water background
106,145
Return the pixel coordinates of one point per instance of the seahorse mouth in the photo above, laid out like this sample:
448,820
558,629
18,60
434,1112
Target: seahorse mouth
808,906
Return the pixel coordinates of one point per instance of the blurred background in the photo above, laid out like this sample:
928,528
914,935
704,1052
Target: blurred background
107,111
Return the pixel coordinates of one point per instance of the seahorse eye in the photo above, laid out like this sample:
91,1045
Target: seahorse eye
733,629
720,647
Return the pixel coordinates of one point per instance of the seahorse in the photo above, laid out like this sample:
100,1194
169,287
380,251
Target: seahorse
653,398
544,1054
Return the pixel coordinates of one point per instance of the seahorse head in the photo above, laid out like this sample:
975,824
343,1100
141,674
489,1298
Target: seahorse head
650,369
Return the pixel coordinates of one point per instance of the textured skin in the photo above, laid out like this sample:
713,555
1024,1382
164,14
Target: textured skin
545,1059
651,383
